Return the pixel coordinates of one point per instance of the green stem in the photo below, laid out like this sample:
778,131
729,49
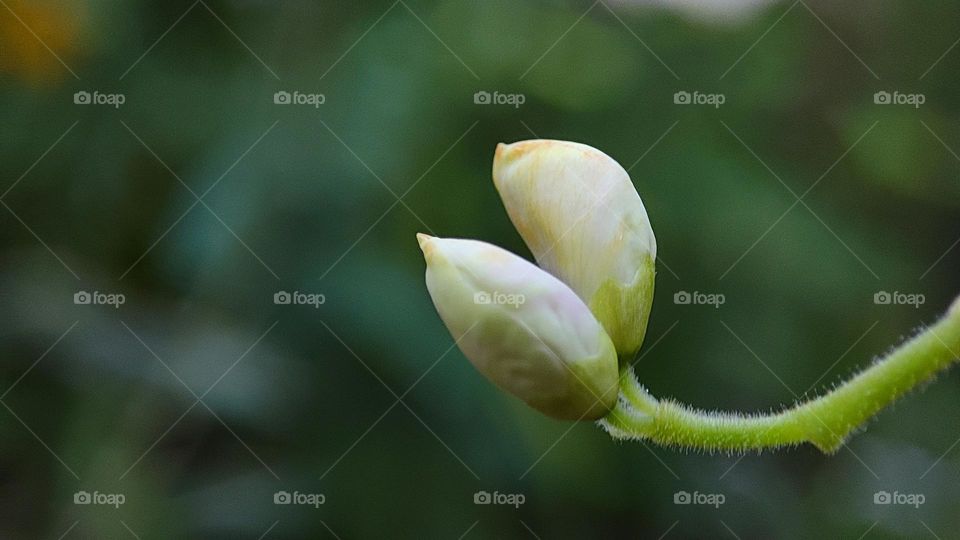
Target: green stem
825,422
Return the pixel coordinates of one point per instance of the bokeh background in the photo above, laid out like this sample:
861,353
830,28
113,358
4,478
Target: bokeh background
199,198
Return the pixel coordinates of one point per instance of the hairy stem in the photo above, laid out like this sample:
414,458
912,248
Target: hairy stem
825,422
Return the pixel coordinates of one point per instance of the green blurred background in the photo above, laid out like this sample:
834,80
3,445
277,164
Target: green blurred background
199,398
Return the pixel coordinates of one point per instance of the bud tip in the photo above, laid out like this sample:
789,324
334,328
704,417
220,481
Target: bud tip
517,149
425,243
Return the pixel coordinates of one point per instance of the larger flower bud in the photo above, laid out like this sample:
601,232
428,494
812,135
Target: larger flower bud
522,328
580,215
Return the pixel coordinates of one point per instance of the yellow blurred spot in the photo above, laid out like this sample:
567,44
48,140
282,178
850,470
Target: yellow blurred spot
25,55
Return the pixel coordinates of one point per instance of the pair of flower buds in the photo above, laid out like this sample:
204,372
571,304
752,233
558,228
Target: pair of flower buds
552,335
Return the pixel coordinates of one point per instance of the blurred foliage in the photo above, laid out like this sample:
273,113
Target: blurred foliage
305,199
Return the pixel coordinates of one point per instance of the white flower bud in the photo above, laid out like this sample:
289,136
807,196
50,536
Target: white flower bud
522,328
580,215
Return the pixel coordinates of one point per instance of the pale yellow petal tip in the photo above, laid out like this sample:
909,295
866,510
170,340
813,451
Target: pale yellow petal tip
426,244
500,156
517,149
514,151
507,153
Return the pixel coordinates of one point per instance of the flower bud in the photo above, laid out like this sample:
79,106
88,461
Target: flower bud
580,215
522,328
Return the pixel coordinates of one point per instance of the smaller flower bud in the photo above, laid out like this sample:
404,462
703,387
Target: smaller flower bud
580,215
522,328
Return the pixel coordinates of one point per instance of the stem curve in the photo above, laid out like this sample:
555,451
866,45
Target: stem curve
826,421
